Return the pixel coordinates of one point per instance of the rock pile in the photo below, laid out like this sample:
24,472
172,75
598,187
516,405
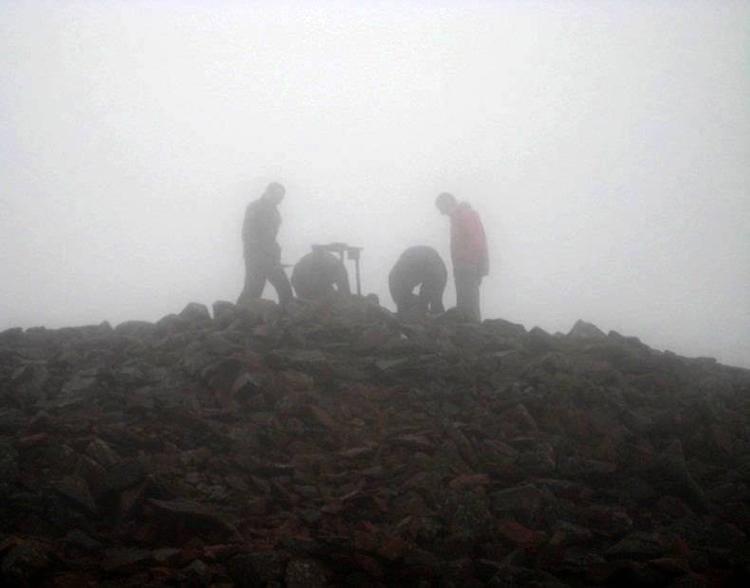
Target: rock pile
335,445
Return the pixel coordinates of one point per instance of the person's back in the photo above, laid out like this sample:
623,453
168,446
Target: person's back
316,274
418,266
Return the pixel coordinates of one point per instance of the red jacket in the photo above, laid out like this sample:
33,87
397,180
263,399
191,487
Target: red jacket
468,241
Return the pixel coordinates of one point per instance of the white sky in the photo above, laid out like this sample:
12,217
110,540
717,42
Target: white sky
605,144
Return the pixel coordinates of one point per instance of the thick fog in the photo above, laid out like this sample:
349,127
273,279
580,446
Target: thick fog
606,146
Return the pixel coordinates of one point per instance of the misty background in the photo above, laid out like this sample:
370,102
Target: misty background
604,144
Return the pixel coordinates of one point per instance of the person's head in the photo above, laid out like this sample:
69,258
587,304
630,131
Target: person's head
446,203
274,193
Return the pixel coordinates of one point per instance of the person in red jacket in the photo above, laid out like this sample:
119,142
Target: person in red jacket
468,252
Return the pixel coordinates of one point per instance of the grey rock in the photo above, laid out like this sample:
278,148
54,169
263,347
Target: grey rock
22,564
259,568
513,576
8,462
223,373
520,418
670,475
607,520
539,461
77,491
255,312
504,328
638,545
138,329
81,540
584,330
123,475
539,340
11,336
165,555
102,453
304,359
199,569
467,514
224,312
218,344
125,559
80,384
195,313
11,420
578,560
623,340
29,380
193,514
573,534
171,324
582,468
638,489
196,358
691,580
525,503
306,573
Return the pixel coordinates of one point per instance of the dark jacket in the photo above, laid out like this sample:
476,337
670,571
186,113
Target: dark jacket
316,273
418,266
259,231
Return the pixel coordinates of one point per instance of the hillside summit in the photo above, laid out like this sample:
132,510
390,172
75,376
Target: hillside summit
336,445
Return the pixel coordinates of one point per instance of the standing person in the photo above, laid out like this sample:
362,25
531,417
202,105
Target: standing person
418,266
316,274
262,251
468,252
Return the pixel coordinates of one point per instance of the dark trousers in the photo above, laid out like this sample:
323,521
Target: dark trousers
431,295
257,271
467,291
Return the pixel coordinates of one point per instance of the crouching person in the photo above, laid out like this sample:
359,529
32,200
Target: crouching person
420,267
318,275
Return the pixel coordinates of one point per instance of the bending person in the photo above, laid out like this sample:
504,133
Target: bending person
318,275
418,266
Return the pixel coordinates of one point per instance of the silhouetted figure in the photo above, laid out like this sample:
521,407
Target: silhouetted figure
318,275
261,250
418,266
468,253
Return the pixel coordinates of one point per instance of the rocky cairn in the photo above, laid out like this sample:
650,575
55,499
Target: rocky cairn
333,445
